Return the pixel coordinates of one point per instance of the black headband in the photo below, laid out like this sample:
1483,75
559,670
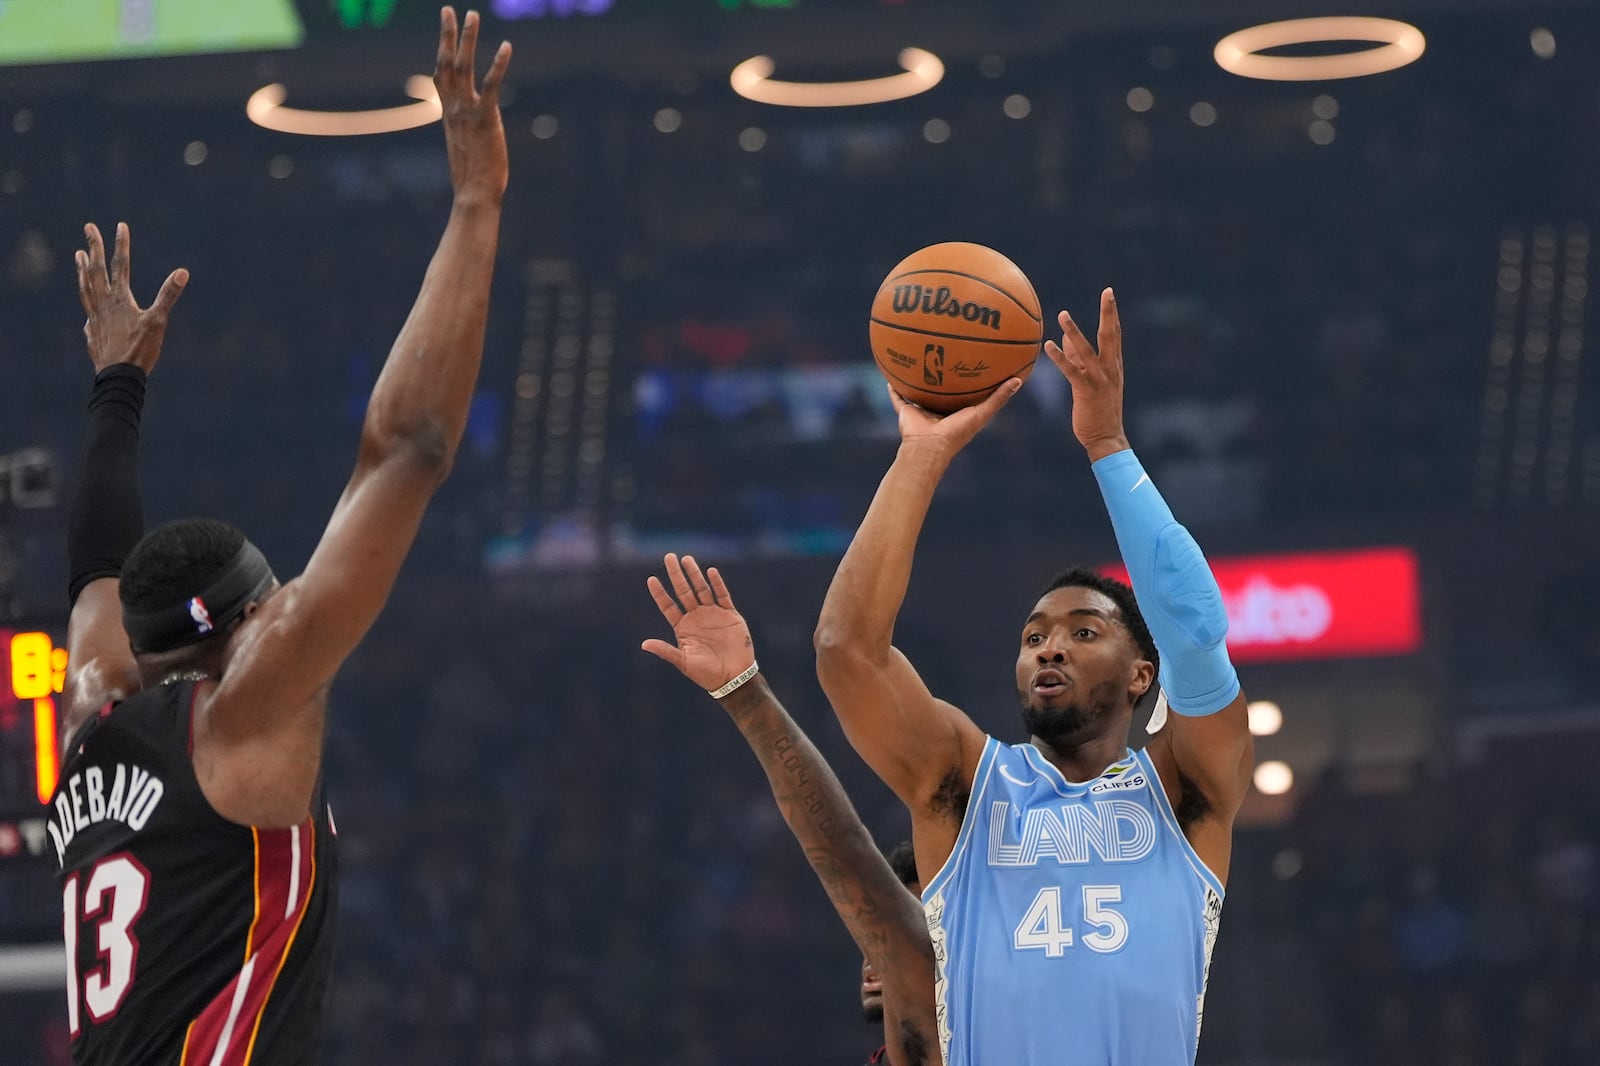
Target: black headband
237,585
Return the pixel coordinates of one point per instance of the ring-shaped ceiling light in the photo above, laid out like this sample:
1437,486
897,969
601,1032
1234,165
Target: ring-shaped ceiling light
265,108
753,80
1398,43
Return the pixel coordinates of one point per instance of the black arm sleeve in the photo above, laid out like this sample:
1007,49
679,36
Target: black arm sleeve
107,516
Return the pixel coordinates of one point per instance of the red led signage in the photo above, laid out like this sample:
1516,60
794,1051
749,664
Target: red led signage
1319,605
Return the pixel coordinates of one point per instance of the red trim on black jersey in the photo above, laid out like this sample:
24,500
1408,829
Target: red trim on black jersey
881,1055
224,1034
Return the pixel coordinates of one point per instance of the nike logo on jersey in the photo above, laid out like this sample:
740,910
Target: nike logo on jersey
1030,782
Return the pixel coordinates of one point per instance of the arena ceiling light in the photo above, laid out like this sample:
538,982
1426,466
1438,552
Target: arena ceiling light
1399,43
753,80
265,108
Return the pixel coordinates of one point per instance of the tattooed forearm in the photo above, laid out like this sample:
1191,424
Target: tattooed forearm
883,918
876,908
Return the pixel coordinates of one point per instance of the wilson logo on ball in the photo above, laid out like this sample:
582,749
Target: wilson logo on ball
913,298
951,323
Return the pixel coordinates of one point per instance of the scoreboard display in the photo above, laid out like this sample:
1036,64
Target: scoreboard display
67,31
33,667
57,31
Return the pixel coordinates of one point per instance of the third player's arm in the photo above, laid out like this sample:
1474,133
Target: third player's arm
883,917
106,518
911,739
713,648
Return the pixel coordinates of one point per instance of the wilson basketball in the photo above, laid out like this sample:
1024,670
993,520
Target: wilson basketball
953,321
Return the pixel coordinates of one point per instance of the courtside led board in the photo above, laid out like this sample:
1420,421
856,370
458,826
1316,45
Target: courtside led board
1318,605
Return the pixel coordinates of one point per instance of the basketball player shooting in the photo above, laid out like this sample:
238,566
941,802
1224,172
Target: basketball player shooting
714,650
194,841
1072,886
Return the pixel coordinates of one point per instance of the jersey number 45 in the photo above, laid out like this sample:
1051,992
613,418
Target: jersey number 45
1042,927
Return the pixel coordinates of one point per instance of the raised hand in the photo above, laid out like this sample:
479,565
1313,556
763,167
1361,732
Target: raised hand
473,136
950,433
118,330
713,642
1096,379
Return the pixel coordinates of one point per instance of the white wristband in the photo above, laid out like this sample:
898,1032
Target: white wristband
733,686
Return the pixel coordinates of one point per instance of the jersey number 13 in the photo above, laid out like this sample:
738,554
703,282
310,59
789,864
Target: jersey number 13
114,896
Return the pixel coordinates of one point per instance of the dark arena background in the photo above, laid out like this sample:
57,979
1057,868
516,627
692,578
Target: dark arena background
1361,365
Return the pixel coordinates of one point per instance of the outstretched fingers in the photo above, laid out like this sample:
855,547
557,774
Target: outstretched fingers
121,256
1053,352
96,255
697,581
467,51
1066,362
719,587
80,259
458,54
664,602
1110,334
664,651
171,289
680,582
1075,344
497,73
444,64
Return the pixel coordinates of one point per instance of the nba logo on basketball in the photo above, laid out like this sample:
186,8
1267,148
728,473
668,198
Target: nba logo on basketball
201,616
933,364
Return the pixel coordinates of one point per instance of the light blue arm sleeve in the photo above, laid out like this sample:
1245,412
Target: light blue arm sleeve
1177,593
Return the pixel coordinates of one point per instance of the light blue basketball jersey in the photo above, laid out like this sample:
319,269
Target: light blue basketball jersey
1072,924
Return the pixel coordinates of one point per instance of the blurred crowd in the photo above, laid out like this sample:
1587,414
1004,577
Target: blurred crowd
1451,921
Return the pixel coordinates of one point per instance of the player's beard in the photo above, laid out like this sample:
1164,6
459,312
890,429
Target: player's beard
872,1013
1073,723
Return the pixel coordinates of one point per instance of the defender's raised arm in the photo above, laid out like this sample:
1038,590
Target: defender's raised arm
715,651
413,426
107,515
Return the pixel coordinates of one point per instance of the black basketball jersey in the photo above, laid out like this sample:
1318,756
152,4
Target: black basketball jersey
191,940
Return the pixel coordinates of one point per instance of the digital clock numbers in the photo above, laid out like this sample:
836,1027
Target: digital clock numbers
38,670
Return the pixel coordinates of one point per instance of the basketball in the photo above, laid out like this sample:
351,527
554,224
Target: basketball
953,321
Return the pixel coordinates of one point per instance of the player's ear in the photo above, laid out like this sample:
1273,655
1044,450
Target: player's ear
1141,675
254,605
